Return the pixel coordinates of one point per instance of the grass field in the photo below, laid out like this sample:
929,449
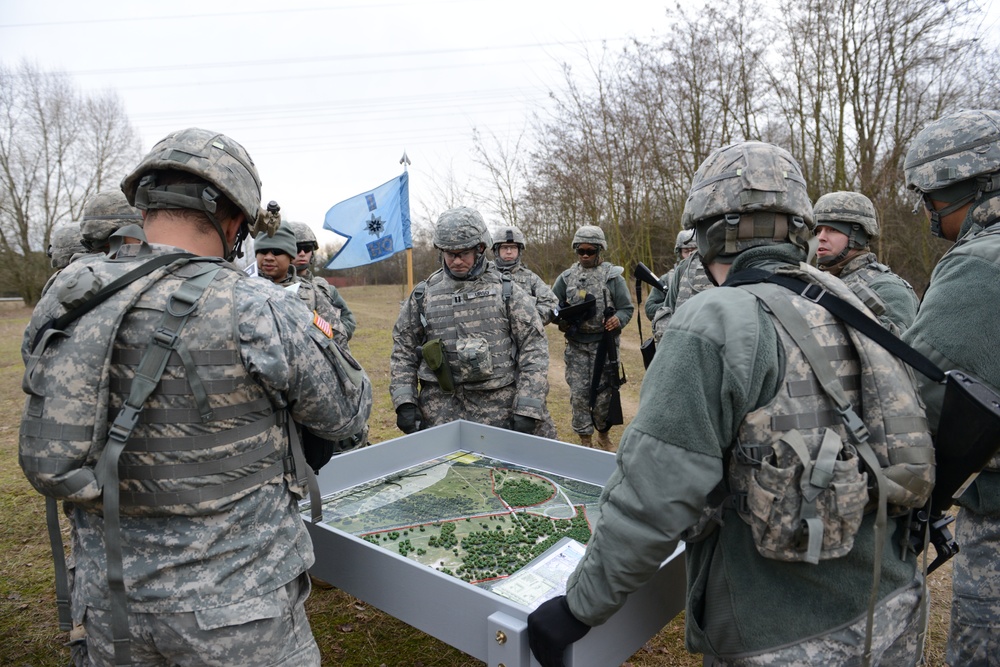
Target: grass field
349,631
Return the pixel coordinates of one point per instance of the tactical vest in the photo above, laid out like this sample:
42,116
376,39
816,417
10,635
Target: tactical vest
857,274
472,320
580,282
795,473
205,437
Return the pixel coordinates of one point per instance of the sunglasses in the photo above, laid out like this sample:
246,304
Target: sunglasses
586,252
276,253
305,247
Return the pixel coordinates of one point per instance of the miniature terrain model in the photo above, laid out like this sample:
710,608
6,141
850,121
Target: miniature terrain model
461,530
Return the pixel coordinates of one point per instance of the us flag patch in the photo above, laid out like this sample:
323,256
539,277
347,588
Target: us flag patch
322,325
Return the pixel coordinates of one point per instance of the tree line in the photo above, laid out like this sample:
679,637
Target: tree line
844,85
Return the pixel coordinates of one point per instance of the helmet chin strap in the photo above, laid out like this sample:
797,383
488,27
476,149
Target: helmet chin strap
202,198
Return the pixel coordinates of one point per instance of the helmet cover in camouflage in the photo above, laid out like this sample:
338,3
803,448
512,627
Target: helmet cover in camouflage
461,228
283,240
745,195
64,242
304,234
591,234
209,155
685,240
104,214
509,234
849,213
952,149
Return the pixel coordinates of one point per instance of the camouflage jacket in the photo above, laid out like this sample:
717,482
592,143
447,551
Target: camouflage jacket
545,301
671,460
320,301
887,295
477,315
605,282
687,279
258,342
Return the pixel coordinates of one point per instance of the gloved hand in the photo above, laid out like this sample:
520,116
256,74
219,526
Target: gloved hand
408,418
523,424
318,451
551,628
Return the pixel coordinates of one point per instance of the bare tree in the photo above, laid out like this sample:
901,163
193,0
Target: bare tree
57,147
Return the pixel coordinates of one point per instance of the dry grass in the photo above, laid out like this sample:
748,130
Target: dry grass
349,631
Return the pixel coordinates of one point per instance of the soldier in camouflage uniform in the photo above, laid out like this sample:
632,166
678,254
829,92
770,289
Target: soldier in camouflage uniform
591,278
684,247
508,248
719,426
274,262
954,164
846,225
307,245
213,550
489,345
683,282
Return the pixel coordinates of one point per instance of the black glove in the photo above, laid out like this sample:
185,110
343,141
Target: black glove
551,628
523,424
408,418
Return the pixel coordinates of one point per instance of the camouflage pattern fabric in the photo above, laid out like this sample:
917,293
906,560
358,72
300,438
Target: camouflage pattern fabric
317,299
545,299
264,631
477,310
974,636
887,295
197,558
656,297
104,214
493,407
686,280
898,638
64,243
579,359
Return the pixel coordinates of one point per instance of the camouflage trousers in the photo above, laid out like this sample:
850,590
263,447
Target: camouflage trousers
579,359
270,630
493,407
974,636
897,639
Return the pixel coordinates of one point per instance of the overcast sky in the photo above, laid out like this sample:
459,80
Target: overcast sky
326,96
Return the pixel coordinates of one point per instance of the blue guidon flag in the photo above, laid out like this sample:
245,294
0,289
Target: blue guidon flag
375,225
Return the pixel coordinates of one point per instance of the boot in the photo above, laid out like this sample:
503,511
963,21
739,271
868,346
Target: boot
586,439
604,442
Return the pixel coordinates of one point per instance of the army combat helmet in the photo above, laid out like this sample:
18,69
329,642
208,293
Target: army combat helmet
463,228
850,213
64,242
508,234
746,195
591,234
305,239
221,162
956,160
103,215
685,240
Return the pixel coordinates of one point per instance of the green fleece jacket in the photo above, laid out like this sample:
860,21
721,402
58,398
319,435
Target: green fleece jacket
726,362
956,329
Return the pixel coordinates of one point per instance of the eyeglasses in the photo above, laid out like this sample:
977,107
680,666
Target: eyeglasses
463,255
586,252
305,247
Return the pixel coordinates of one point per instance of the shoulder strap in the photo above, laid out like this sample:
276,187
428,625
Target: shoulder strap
418,295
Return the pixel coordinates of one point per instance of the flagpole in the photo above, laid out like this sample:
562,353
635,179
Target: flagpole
409,251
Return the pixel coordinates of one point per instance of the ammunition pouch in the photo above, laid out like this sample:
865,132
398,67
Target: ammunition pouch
434,354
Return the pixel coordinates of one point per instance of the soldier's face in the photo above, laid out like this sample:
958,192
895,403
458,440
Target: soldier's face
589,255
273,264
460,262
831,242
686,252
509,251
304,255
